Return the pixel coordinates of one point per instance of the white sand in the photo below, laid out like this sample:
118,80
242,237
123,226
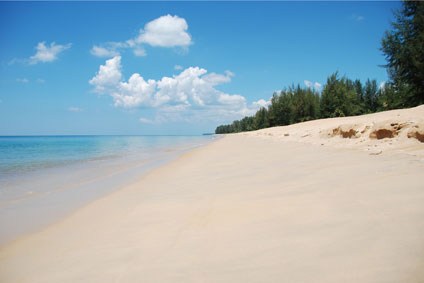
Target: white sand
361,132
254,207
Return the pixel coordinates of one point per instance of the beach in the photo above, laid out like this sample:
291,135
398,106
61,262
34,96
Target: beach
334,200
45,178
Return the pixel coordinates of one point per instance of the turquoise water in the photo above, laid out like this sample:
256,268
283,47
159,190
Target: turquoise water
25,154
43,178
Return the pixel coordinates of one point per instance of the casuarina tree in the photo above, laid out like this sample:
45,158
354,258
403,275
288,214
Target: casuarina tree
403,47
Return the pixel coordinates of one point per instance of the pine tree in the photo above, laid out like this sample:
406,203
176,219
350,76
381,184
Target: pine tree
404,50
370,96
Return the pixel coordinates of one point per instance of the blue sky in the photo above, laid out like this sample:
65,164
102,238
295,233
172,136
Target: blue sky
173,68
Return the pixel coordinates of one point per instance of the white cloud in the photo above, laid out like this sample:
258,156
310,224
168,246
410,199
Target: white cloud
308,83
217,79
234,100
166,31
382,85
136,92
100,51
191,93
47,53
317,86
22,80
262,103
74,109
139,52
313,85
178,67
108,76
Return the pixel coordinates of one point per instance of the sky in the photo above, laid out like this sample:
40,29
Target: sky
177,68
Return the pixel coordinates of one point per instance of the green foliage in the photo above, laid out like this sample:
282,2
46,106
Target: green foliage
279,111
359,92
305,105
370,96
261,119
394,96
290,106
340,98
247,124
404,50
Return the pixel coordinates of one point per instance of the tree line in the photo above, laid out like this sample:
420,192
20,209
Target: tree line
403,48
340,97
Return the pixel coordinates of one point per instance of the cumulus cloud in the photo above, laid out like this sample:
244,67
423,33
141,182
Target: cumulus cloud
47,53
217,79
382,85
108,76
191,91
166,31
178,67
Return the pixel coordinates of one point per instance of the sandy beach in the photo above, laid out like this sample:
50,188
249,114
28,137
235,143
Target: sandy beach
335,200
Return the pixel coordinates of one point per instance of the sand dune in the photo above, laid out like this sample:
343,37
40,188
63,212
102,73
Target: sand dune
335,200
395,131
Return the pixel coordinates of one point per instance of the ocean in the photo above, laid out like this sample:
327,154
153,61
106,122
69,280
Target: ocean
43,178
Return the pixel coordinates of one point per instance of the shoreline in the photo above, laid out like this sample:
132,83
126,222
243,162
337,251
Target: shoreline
250,207
49,198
